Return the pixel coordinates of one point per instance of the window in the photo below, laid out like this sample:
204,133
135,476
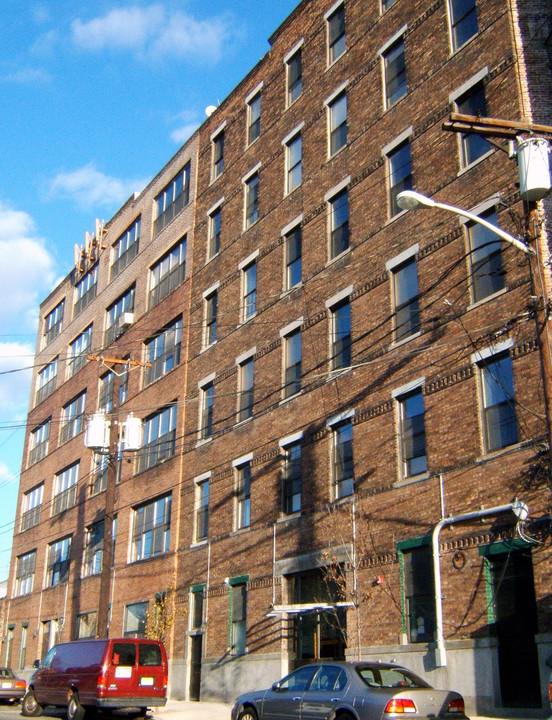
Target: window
218,155
419,594
135,620
336,33
499,407
78,351
172,199
39,442
337,121
338,206
251,184
293,256
59,557
291,475
404,278
245,388
168,273
196,615
65,489
342,456
158,438
125,248
105,395
394,71
152,525
238,600
249,290
463,21
486,270
294,76
24,574
294,161
386,4
210,300
412,433
292,351
253,117
23,645
243,493
99,473
206,398
32,505
86,625
214,224
72,416
47,379
53,322
400,174
163,351
472,145
85,290
93,549
119,315
340,335
202,509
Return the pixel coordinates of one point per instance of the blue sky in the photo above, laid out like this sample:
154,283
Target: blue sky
95,98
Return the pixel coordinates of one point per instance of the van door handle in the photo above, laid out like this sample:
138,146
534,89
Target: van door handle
297,698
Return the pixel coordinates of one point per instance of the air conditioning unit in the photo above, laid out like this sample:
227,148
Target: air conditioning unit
126,320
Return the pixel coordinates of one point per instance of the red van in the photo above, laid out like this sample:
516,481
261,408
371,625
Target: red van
127,674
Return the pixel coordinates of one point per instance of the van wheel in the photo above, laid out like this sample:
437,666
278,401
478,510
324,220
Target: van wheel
139,715
31,707
75,710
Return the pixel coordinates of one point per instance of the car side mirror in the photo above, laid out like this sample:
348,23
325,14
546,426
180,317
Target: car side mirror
276,686
36,664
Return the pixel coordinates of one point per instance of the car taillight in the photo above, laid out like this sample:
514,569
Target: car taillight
457,706
165,681
550,691
400,705
102,680
20,684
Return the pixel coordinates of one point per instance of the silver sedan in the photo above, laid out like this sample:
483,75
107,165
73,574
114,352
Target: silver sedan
349,691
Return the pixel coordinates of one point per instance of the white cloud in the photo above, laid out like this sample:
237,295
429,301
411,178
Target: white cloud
6,475
28,76
152,32
16,361
91,188
181,134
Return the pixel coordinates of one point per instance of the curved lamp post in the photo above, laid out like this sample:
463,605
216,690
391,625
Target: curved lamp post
411,200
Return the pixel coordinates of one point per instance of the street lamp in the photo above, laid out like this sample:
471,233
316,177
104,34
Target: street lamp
411,200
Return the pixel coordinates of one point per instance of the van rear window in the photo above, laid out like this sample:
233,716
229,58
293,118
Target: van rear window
124,654
149,655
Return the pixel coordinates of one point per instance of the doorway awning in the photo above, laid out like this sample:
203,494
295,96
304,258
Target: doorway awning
299,608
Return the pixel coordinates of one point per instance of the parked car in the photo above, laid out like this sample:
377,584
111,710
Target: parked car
110,674
349,691
12,688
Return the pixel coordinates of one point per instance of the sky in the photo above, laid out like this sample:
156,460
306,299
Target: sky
95,98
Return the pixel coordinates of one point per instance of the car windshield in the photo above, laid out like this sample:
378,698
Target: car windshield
389,677
6,672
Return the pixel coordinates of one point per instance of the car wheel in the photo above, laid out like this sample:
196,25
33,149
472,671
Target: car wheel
247,714
31,707
75,710
343,716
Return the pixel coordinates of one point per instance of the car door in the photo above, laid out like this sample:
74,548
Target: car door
324,693
283,701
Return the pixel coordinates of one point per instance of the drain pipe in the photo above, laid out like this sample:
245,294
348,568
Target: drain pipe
521,511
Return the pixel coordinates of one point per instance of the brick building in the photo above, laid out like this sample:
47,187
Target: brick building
332,379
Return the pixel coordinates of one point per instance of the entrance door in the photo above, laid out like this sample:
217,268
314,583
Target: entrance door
516,625
195,669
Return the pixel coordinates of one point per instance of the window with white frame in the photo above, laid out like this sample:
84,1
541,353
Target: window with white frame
202,508
72,417
168,273
58,561
294,75
405,296
151,528
135,620
65,489
292,358
105,393
248,271
125,248
293,254
79,349
210,316
338,209
412,434
337,122
158,438
100,468
340,331
399,172
251,199
163,351
53,322
47,380
93,549
500,426
291,474
253,116
38,445
335,20
119,315
394,71
24,573
341,433
31,507
173,198
463,22
246,386
294,160
242,469
485,258
214,223
469,99
206,402
85,290
218,154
